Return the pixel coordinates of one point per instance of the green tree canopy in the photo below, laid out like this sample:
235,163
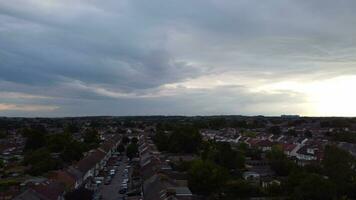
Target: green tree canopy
36,138
91,138
205,177
240,189
339,166
134,140
121,148
184,139
279,161
40,161
132,150
276,130
125,140
315,187
73,151
161,140
222,154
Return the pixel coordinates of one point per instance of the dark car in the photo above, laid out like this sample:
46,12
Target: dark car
123,190
107,180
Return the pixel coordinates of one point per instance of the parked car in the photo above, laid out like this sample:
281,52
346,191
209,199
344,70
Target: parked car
97,196
107,180
123,190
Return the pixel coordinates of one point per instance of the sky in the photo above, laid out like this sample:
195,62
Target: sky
177,57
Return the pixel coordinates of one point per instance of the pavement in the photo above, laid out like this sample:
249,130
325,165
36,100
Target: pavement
111,191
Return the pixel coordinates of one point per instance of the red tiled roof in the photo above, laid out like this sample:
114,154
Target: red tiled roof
90,161
64,177
288,147
50,190
265,143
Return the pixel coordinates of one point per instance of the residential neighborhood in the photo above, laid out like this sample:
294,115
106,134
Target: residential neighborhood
163,158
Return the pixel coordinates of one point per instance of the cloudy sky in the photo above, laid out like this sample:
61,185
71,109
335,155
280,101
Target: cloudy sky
177,57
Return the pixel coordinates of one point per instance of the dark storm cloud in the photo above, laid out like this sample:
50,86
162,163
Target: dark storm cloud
122,53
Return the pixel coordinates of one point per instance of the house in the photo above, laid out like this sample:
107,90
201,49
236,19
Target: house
160,182
77,175
265,145
306,153
95,161
44,191
70,178
310,152
90,165
161,187
288,149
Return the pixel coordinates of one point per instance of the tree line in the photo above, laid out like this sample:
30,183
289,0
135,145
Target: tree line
45,152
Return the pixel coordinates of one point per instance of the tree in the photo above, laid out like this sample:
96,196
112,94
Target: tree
2,164
71,128
40,161
205,177
240,189
132,150
35,139
338,165
293,180
56,143
222,154
73,151
217,123
279,162
185,139
315,187
276,130
121,148
161,140
2,134
91,139
229,158
125,140
134,140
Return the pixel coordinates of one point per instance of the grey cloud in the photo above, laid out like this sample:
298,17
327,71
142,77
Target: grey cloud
136,47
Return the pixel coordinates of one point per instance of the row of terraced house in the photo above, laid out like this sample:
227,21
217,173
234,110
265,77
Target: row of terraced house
160,181
80,174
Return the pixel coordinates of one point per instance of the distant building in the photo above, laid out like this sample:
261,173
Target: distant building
290,116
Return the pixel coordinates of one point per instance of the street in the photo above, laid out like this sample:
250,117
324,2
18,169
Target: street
111,191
